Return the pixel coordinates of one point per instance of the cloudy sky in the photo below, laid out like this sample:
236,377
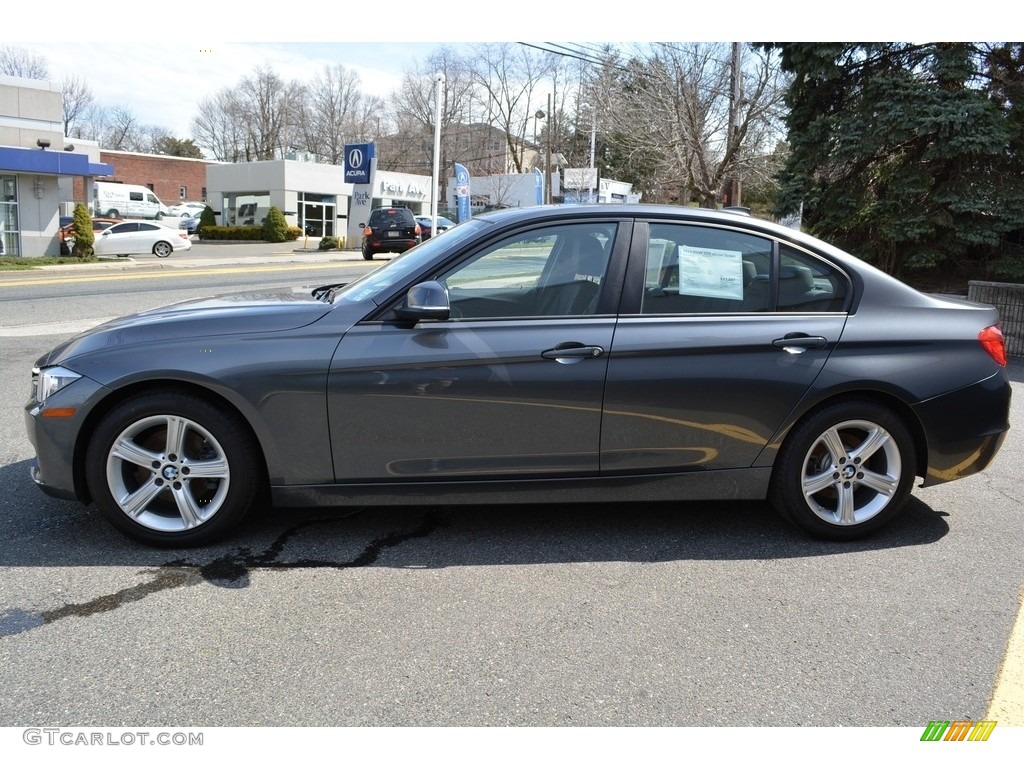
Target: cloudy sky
162,84
161,61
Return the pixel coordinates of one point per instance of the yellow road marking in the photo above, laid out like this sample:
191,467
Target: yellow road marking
1007,704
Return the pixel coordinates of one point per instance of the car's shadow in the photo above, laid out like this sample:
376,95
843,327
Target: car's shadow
48,533
60,534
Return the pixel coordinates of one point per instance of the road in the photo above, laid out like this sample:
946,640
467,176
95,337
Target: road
602,615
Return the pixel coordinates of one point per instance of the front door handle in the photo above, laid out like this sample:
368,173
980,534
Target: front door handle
572,352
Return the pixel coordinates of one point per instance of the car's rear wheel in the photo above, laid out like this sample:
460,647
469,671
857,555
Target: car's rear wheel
113,213
845,471
172,470
162,249
367,254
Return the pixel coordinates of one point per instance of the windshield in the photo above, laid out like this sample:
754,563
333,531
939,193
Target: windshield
409,263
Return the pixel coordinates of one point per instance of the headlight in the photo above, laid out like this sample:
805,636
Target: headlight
49,381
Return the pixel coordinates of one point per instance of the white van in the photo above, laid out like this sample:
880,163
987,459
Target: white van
126,201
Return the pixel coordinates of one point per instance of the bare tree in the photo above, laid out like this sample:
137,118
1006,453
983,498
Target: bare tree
264,100
330,114
680,110
17,62
511,77
119,129
415,113
220,128
77,100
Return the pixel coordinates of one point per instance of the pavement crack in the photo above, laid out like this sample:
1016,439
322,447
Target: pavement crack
15,621
231,570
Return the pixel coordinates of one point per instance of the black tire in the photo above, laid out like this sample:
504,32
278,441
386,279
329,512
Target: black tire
162,249
367,254
113,213
844,471
143,461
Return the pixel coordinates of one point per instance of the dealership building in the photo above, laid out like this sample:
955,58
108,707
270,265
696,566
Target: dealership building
38,168
313,196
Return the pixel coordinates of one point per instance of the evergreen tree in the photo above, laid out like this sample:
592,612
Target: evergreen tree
907,155
84,236
275,226
206,219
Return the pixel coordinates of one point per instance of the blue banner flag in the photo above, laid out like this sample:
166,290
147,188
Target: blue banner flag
462,192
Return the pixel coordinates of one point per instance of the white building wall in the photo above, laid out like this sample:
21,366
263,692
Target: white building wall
518,190
282,180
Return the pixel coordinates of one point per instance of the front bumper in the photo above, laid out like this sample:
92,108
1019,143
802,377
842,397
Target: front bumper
55,438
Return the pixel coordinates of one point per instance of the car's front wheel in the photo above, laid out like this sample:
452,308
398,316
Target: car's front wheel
844,471
163,249
172,469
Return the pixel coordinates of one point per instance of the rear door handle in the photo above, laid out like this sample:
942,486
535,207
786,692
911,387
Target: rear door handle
572,352
795,343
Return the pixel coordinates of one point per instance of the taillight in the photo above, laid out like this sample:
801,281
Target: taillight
418,230
992,340
367,231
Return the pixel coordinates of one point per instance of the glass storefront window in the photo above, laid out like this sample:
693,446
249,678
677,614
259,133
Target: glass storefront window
9,229
316,214
246,209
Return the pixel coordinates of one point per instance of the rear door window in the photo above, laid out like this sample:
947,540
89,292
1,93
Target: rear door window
694,269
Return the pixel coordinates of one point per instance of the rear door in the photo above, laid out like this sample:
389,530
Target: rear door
722,332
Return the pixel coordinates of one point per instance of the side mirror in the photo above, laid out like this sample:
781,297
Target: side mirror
426,301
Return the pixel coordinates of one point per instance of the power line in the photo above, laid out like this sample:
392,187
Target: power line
571,53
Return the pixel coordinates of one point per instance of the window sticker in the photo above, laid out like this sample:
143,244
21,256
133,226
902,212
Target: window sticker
710,272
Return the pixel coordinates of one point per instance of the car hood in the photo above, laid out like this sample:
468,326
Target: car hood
214,316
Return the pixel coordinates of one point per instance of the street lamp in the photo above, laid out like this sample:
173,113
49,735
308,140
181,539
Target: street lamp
435,170
547,161
540,115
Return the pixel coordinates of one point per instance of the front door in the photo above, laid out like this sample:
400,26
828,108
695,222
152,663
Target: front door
510,386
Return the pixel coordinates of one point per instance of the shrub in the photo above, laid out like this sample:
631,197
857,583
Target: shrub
207,218
246,232
84,236
275,226
328,243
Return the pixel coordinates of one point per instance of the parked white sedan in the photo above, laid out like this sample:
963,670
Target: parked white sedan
186,209
133,237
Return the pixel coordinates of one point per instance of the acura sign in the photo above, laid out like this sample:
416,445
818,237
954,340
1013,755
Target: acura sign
357,163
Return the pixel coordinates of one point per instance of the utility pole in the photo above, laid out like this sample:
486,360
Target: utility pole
735,99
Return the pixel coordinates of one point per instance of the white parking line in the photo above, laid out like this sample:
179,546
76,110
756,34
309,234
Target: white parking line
62,327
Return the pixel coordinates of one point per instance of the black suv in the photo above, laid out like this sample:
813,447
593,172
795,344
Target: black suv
391,230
